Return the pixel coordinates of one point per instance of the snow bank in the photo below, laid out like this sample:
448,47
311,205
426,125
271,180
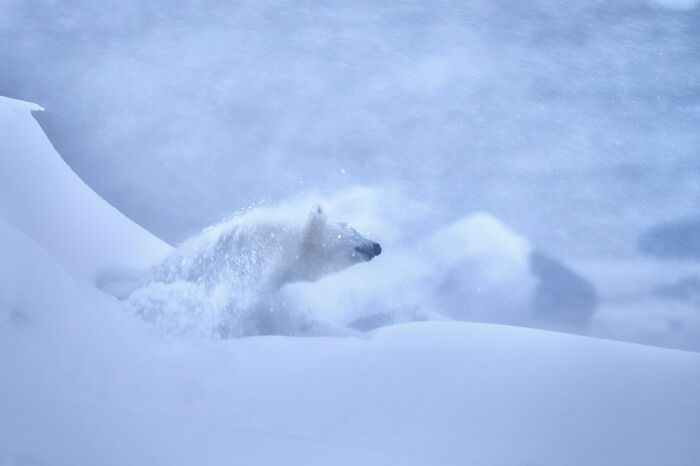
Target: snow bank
44,199
429,393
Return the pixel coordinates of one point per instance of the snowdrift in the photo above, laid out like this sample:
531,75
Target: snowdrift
43,198
83,383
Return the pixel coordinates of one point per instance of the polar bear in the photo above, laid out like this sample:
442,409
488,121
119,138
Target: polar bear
224,277
268,254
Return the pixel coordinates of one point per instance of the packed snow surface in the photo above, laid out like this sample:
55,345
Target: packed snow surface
84,382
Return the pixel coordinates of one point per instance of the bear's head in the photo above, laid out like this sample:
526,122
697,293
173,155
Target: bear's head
328,247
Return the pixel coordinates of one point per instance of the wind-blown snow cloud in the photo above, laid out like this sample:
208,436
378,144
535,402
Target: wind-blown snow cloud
562,118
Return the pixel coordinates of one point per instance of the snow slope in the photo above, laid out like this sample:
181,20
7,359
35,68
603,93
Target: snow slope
82,383
438,393
42,196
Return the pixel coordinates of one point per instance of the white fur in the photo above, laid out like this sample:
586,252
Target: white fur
222,279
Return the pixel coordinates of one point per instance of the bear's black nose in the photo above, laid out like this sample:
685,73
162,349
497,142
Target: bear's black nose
369,250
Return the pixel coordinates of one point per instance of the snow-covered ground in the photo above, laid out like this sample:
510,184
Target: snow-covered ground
83,382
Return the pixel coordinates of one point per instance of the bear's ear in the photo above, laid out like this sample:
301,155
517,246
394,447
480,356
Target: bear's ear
314,228
316,210
317,218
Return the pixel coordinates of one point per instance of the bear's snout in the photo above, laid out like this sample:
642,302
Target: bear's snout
369,250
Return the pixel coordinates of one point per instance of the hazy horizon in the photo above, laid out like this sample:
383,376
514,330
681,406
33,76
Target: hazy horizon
572,122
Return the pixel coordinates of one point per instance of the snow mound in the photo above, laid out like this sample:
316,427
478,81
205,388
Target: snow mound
34,289
48,202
